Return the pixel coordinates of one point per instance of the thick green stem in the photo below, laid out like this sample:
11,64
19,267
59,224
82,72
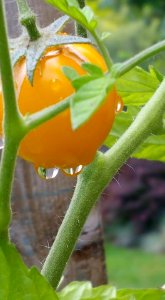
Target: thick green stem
6,178
80,30
139,58
102,170
13,128
85,196
103,50
11,111
28,19
13,121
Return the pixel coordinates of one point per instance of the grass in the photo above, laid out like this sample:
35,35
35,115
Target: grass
129,268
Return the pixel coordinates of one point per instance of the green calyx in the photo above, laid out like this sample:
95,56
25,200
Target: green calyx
34,50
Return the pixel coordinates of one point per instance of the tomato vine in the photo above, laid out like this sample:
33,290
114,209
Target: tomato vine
101,170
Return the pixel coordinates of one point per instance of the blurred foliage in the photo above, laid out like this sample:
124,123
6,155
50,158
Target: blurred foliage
133,204
158,5
145,269
134,25
155,241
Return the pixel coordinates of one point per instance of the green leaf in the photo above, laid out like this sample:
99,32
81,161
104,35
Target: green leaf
92,69
156,73
137,86
148,294
155,151
123,120
72,3
105,35
89,14
76,291
80,81
104,292
77,80
17,282
84,291
153,148
70,73
88,99
42,287
83,16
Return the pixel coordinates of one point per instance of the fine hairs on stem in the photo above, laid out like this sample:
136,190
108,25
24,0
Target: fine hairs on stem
28,19
87,192
102,169
79,29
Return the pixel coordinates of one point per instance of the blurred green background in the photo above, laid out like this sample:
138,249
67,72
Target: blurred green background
134,268
139,262
133,24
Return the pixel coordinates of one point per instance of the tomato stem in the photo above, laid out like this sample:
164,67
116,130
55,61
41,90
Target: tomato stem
38,118
140,57
102,171
11,110
28,19
13,128
7,166
84,198
103,49
79,29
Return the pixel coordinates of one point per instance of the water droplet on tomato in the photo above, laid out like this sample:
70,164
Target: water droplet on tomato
55,84
47,173
120,105
1,144
73,171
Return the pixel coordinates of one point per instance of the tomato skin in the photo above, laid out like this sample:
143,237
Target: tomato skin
54,143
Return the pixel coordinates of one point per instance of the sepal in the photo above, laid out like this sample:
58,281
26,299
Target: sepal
34,50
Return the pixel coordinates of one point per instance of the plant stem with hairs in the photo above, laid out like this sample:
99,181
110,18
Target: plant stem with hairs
96,176
80,30
13,128
28,20
101,171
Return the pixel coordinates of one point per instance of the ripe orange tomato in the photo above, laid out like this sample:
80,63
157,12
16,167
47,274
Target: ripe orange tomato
54,143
